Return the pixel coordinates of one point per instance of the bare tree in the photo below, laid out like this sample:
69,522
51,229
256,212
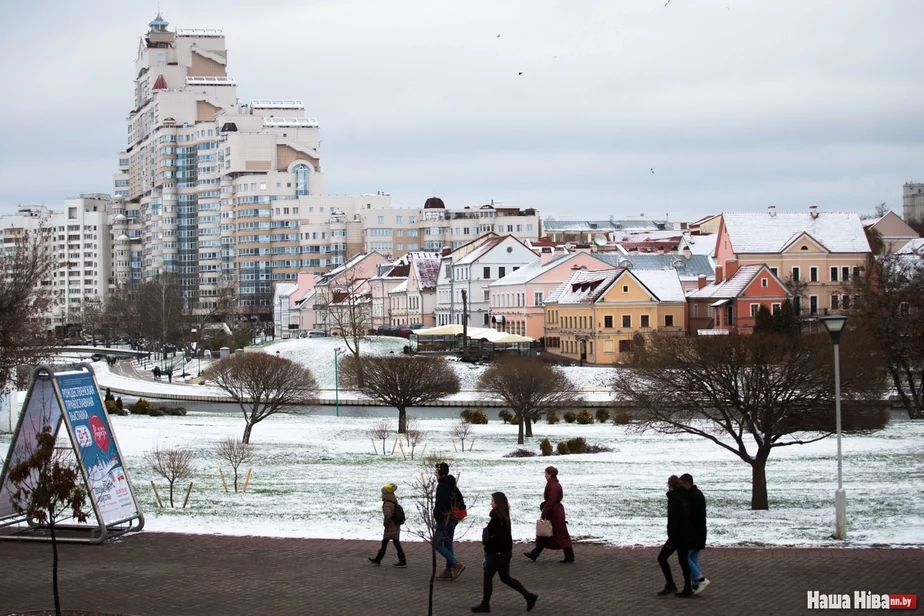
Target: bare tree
235,452
47,488
400,381
415,437
889,309
461,430
412,423
262,385
424,526
380,432
212,309
747,394
171,463
346,307
530,388
799,289
25,282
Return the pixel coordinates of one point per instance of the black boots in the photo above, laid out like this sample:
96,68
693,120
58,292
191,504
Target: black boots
569,556
669,589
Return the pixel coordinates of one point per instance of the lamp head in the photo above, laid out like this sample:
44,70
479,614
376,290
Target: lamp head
834,326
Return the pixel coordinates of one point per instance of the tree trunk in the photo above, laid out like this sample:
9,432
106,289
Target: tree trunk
171,494
402,421
529,428
235,480
520,440
54,566
759,483
432,578
246,438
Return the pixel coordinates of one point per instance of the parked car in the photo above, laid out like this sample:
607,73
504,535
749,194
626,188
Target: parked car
317,334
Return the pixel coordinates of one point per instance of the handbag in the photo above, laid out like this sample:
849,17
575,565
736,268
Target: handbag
544,528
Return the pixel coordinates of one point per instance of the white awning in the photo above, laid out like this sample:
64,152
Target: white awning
498,318
720,303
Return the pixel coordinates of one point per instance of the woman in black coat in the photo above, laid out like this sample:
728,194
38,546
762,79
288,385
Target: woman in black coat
498,547
678,538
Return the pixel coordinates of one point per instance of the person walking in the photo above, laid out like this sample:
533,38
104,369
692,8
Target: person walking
697,531
554,511
678,538
498,551
392,526
448,499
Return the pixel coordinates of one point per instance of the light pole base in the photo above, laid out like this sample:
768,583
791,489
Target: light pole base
840,514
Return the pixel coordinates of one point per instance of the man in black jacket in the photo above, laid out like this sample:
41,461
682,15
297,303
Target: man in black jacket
445,520
678,538
697,531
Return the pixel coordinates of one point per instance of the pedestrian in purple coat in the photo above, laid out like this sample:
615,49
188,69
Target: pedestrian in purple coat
554,511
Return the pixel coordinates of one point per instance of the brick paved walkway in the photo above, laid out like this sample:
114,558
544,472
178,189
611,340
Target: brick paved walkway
159,574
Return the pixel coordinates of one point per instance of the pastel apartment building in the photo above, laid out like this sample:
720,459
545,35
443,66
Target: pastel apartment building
825,250
595,316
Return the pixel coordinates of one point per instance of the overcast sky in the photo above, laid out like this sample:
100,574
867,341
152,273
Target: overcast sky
734,104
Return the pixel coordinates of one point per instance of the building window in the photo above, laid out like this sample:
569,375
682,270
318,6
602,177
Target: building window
776,308
856,272
608,321
795,274
625,346
774,271
846,302
487,319
845,274
835,302
645,321
487,272
302,171
537,298
754,309
627,320
813,274
764,283
501,272
696,311
487,295
625,288
833,274
668,320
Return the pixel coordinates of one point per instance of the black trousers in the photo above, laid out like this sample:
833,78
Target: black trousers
682,555
384,547
499,563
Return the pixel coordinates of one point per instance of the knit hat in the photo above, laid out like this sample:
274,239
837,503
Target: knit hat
389,488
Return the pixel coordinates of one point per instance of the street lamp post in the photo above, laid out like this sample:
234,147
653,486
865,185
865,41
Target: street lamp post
835,326
337,353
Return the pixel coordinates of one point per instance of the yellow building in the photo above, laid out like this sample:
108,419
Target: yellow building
595,316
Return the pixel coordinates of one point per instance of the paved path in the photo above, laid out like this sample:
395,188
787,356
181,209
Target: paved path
160,574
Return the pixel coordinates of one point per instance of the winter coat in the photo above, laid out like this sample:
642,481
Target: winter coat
697,518
392,530
442,508
554,511
678,518
498,538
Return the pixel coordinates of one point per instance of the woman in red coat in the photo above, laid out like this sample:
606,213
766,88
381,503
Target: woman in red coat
554,511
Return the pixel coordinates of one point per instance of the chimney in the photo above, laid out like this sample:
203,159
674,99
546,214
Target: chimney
731,266
546,255
772,210
686,252
718,274
701,281
813,210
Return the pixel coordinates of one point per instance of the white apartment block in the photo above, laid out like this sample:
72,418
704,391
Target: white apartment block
913,202
80,241
472,268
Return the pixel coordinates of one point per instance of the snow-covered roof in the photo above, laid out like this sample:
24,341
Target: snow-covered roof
732,287
427,270
772,232
480,251
401,288
687,269
286,289
701,244
532,270
913,246
602,226
588,287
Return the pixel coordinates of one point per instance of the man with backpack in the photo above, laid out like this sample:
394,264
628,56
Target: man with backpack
448,509
394,517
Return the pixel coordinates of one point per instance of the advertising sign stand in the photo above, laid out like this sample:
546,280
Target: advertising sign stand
72,398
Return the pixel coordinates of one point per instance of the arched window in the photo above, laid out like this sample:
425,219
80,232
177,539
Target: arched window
302,171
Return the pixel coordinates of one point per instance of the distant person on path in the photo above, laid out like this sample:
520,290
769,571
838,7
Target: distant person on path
697,531
392,526
156,372
678,538
448,498
498,550
554,511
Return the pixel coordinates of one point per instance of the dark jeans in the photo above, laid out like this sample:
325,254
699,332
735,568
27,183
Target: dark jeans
442,540
499,563
381,554
684,558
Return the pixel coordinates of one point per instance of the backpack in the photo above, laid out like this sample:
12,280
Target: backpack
398,516
458,505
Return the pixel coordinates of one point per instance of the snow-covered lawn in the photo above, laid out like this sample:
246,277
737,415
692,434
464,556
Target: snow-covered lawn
317,476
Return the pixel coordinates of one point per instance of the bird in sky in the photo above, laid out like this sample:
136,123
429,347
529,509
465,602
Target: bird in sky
668,2
652,169
520,73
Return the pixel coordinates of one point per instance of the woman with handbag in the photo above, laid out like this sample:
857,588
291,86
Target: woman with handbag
498,550
554,512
